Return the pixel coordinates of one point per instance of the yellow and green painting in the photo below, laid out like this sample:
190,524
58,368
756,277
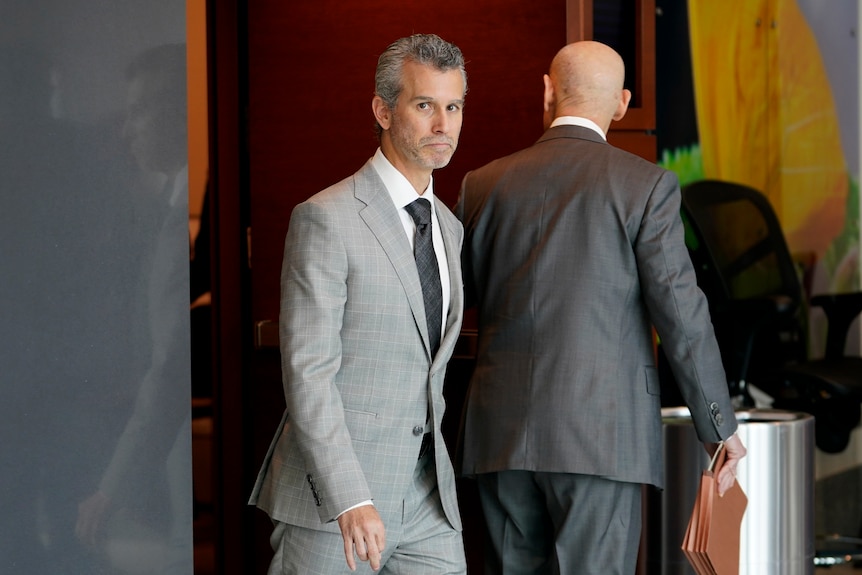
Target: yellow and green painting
776,103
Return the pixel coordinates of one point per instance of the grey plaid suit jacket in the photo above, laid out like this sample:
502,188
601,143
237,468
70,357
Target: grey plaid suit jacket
574,250
356,366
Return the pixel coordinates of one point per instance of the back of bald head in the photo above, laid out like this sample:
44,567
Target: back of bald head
587,78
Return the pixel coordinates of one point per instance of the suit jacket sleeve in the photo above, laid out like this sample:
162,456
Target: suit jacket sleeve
680,313
313,299
161,406
466,254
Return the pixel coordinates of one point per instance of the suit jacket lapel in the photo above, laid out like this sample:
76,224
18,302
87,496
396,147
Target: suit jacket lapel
383,220
453,260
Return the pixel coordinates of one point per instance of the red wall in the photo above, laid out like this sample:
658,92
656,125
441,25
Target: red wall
311,80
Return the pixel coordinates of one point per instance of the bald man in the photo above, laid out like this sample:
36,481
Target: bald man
573,251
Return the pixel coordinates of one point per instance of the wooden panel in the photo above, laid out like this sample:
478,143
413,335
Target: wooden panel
311,72
641,113
198,114
233,474
579,20
579,26
642,144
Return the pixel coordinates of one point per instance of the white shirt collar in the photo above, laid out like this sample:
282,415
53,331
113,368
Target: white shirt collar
579,121
399,188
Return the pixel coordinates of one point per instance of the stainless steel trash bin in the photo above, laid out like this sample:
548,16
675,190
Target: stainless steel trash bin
777,534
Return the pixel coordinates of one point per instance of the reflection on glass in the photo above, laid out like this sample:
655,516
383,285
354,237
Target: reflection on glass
95,463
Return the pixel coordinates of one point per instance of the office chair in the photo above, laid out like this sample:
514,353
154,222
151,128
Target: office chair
759,311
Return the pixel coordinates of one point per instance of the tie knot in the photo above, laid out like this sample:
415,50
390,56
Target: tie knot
420,211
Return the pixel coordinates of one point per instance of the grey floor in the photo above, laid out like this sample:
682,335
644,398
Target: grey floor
837,509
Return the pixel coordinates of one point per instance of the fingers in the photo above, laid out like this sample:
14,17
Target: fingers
364,536
91,513
348,554
726,478
727,474
369,550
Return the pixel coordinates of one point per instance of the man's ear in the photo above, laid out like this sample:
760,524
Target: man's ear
549,94
548,103
382,113
623,104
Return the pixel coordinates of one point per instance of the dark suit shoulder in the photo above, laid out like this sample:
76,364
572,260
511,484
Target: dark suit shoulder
581,143
638,162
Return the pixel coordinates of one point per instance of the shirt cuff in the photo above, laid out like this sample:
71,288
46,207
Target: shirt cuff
362,504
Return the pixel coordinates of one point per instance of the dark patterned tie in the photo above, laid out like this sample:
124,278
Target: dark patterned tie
429,273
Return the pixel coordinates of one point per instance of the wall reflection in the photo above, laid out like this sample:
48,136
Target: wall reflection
95,462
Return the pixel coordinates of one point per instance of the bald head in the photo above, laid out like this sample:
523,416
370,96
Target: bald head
586,79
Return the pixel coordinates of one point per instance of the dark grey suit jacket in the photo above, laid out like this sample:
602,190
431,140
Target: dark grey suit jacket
573,250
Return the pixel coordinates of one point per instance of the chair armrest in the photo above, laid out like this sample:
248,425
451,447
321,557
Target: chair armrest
841,309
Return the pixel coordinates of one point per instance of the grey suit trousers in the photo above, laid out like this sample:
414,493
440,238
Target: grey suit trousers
420,541
559,524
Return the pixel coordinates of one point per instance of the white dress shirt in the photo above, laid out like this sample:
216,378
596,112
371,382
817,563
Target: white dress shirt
402,193
579,121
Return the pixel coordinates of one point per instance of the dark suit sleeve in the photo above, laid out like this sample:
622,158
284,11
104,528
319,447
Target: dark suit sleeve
680,313
466,253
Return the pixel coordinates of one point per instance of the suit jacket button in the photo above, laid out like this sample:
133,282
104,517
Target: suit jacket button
713,407
418,430
719,419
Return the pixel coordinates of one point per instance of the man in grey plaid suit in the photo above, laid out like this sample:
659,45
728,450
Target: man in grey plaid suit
358,467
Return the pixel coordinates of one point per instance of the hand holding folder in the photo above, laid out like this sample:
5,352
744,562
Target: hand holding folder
711,542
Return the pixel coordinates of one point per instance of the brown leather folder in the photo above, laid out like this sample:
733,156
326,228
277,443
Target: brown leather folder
711,542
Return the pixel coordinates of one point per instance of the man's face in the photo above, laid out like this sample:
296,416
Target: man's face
423,128
156,139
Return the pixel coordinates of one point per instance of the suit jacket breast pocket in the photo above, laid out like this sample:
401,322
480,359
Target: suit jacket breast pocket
362,425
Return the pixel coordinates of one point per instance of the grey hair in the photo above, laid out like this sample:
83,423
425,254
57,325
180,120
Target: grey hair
427,49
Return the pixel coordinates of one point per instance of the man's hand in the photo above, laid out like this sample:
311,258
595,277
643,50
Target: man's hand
91,517
735,451
362,530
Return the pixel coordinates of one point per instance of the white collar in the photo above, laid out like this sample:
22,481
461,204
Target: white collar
578,121
400,189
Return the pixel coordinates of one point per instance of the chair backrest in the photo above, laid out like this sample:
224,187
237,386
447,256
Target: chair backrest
739,253
739,237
